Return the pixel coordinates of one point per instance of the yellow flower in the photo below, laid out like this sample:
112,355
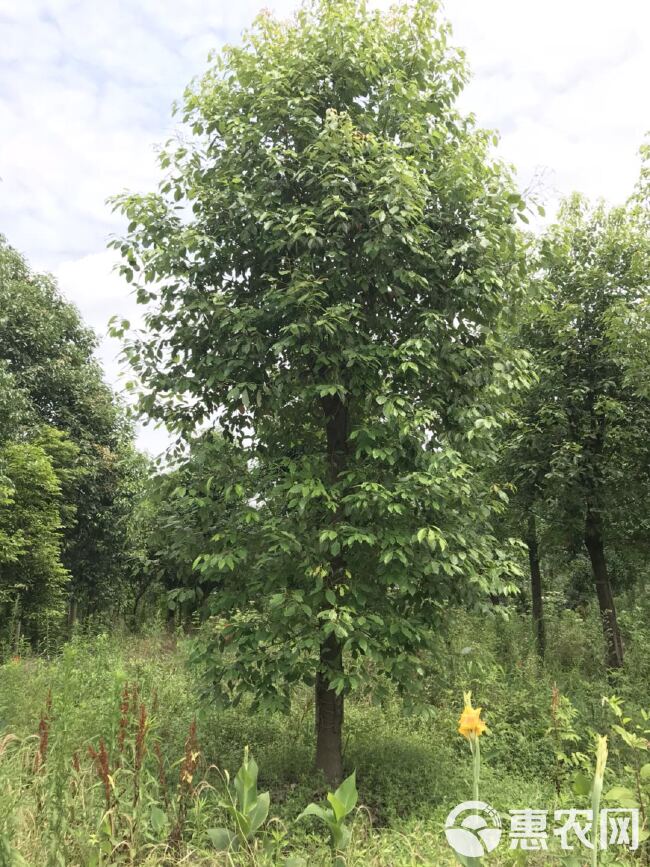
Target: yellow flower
470,723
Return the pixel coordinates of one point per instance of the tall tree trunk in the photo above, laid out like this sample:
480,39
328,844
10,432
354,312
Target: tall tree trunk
329,714
596,550
536,586
329,705
139,596
16,625
72,615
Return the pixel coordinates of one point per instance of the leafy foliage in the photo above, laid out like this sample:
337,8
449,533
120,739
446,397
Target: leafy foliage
33,579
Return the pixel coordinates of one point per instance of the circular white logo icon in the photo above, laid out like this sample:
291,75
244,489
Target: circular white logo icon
473,829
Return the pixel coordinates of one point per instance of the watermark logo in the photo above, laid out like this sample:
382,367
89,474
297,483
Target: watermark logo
473,829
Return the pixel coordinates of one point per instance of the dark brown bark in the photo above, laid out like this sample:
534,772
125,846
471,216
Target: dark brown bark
596,550
337,428
329,705
16,625
536,586
139,596
72,614
329,714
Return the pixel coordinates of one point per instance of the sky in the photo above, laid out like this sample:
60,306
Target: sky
86,90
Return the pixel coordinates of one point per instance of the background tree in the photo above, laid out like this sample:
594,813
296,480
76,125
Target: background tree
326,263
33,580
52,395
583,437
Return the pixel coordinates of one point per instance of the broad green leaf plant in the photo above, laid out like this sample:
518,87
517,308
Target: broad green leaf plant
247,808
341,803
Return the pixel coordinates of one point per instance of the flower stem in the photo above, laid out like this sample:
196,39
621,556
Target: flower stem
596,793
476,753
595,813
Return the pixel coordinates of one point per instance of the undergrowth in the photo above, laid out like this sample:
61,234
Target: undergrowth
108,756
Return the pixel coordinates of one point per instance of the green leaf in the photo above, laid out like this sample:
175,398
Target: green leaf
624,796
631,739
338,807
341,836
246,783
222,839
347,793
582,784
158,819
320,813
257,816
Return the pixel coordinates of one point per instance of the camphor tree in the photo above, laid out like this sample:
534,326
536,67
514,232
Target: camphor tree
586,425
325,266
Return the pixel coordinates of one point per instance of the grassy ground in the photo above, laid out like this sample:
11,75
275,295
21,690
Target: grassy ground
160,788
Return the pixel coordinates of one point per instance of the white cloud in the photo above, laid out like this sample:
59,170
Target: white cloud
565,83
99,292
86,89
